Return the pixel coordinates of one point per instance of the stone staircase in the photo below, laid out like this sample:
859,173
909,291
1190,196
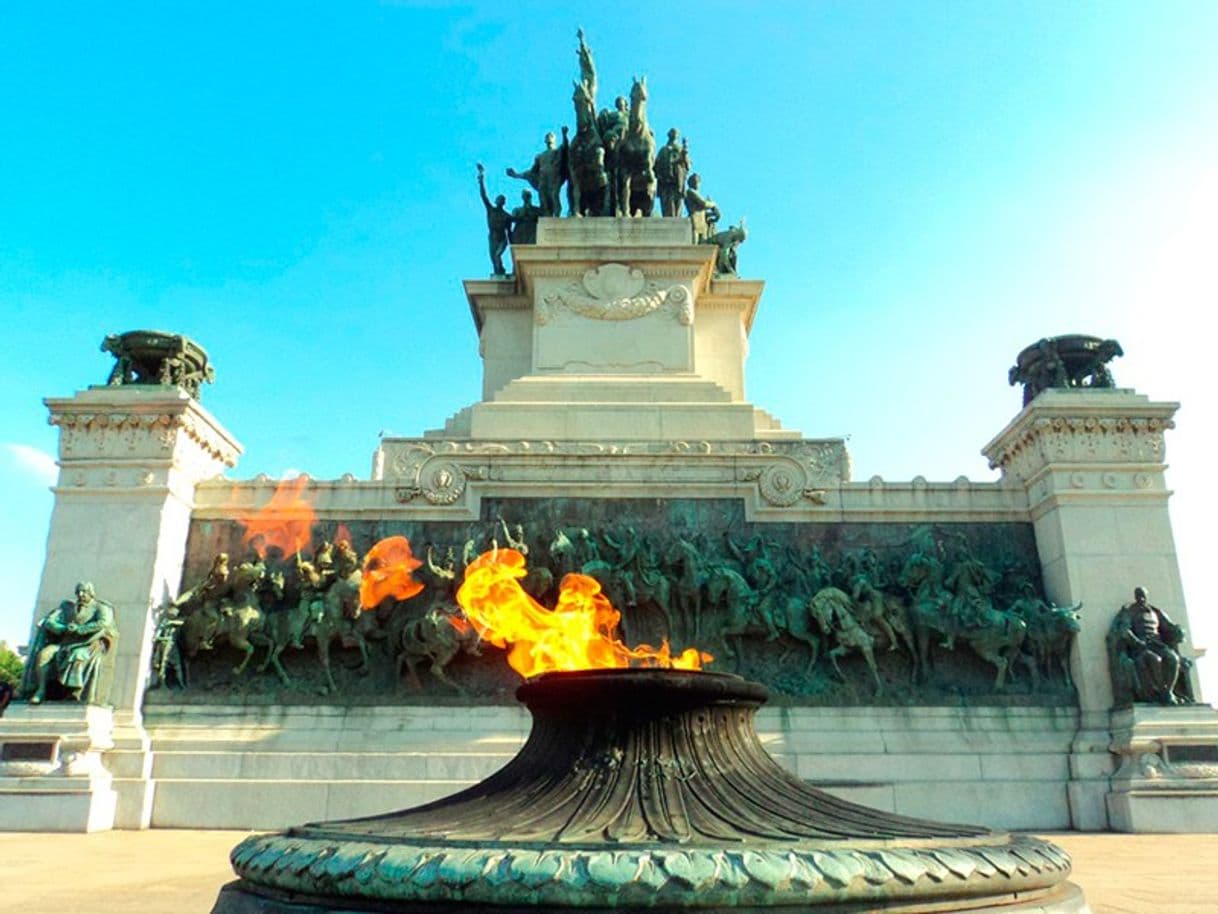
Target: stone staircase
232,767
626,407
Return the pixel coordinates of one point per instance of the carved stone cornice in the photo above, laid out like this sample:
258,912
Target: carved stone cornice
1075,429
784,474
127,424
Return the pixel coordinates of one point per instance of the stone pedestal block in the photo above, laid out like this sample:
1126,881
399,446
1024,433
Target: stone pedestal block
1092,464
1167,769
130,458
614,329
52,775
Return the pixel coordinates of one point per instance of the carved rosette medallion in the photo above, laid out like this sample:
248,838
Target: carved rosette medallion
615,292
443,483
432,475
683,303
782,485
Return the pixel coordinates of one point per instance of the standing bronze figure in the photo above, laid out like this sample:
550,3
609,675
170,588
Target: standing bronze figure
498,224
672,167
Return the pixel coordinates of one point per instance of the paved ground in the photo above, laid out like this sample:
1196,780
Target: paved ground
179,872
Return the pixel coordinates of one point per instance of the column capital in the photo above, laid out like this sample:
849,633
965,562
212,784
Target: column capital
1077,430
107,433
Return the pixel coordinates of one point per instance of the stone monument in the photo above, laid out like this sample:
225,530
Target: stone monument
935,649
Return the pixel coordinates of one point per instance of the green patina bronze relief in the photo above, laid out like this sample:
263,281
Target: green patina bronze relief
820,613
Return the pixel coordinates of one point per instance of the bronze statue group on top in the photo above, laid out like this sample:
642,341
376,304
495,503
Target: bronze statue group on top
610,168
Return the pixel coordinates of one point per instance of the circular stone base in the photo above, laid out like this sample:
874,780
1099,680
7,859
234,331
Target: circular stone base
241,898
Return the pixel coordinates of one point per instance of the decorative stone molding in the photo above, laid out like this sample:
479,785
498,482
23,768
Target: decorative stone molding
579,876
615,292
1085,439
1165,755
1069,427
786,474
104,434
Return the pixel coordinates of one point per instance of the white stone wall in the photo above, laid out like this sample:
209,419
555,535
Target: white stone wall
227,767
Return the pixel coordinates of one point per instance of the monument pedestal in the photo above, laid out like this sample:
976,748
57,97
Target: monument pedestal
130,459
52,776
614,329
1091,462
1167,774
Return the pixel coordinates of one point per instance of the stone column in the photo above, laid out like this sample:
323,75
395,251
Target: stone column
1091,461
130,458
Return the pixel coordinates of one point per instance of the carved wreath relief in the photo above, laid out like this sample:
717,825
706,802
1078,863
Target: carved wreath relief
615,292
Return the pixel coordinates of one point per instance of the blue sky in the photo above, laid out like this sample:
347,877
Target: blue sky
928,188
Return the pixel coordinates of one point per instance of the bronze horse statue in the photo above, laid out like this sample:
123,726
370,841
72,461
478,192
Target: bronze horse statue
588,183
634,175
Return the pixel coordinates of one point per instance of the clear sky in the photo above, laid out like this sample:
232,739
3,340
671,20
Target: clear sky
928,188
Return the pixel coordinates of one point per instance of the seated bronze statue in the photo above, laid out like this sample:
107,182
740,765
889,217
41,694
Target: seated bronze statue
73,651
1144,653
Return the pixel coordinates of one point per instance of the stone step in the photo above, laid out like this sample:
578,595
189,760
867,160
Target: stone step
608,421
328,766
456,424
267,804
61,808
560,389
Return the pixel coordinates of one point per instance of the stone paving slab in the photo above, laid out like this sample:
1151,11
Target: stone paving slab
167,870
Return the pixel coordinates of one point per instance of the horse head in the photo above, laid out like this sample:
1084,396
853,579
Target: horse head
561,543
638,92
638,106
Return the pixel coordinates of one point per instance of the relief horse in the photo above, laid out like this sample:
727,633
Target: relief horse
996,636
436,639
239,617
728,589
685,568
833,611
323,615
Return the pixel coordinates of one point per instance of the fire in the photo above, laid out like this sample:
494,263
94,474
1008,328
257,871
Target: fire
580,633
284,523
343,534
388,568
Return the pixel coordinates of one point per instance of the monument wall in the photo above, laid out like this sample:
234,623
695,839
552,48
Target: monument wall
933,648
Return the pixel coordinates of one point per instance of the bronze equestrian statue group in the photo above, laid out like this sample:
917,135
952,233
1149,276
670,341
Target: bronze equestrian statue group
611,167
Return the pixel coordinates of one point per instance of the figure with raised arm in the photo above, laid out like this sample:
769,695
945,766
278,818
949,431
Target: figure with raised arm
547,174
587,66
498,224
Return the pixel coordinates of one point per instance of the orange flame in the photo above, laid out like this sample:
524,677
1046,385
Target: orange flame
343,534
580,633
387,572
285,522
